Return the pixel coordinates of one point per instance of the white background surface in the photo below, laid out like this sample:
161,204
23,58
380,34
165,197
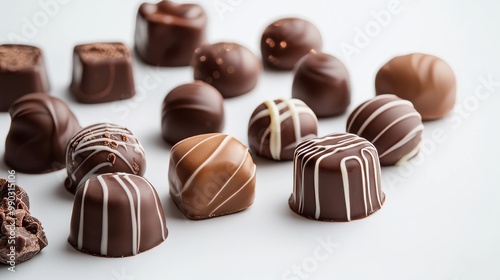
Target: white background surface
441,216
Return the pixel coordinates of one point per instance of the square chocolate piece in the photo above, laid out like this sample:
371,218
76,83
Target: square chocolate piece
167,33
22,71
102,72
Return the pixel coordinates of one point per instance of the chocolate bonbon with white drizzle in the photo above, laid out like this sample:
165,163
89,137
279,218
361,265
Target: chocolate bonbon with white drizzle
336,178
277,126
102,148
211,175
117,215
391,124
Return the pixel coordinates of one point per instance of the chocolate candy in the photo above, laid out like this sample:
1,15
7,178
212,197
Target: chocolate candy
117,215
322,82
21,235
191,109
22,71
336,178
41,126
425,80
166,33
211,175
287,40
102,148
391,124
102,72
229,67
276,127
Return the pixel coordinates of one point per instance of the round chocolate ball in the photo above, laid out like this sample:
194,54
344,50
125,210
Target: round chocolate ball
277,127
425,80
322,82
229,67
191,109
285,41
392,125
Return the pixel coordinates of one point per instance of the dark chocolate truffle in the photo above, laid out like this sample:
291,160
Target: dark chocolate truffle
117,215
391,124
191,109
211,175
102,148
167,33
22,71
287,40
41,126
21,235
425,80
336,178
322,82
229,67
102,72
277,127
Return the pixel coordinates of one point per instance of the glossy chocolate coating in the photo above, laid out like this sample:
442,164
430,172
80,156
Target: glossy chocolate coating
229,67
322,82
391,124
191,109
41,126
22,71
425,80
16,221
277,127
285,41
167,33
117,215
102,72
336,178
211,175
102,148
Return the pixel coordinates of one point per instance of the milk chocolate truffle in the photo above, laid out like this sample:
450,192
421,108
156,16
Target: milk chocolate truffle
229,67
391,124
22,71
41,126
191,109
336,178
285,41
211,175
21,235
425,80
102,148
276,127
322,82
102,72
117,215
167,33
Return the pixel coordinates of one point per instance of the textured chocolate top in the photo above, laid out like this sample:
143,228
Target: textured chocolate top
117,215
425,80
102,51
18,57
41,126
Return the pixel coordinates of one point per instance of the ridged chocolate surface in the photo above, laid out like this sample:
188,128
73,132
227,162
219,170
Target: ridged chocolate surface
22,71
285,41
41,127
277,127
425,80
336,178
191,109
102,148
229,67
211,175
322,82
102,72
391,124
167,33
117,215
